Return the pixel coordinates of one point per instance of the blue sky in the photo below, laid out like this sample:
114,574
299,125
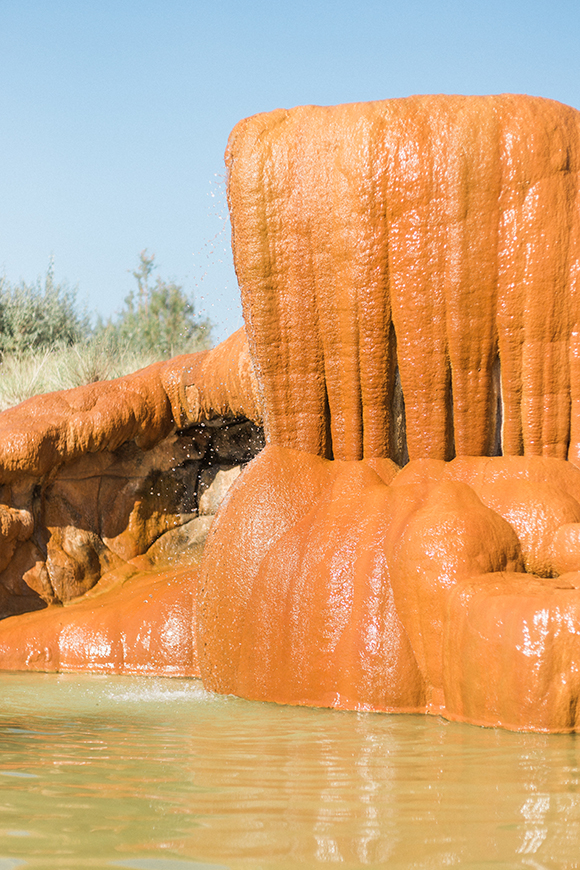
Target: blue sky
114,116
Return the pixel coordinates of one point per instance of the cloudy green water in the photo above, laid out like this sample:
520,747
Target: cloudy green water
113,772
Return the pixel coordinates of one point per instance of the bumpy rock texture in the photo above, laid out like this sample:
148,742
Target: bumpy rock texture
409,273
432,241
104,487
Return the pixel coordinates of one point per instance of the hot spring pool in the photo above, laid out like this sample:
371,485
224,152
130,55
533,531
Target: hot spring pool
150,774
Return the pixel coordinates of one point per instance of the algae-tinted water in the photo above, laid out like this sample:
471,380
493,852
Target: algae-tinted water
145,774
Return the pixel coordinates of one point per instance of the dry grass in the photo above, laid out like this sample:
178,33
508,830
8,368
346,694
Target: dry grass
60,368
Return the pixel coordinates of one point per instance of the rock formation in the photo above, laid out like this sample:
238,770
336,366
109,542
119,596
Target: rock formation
409,273
409,537
432,241
105,489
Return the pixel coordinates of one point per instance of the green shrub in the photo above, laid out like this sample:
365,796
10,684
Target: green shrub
46,344
158,317
37,316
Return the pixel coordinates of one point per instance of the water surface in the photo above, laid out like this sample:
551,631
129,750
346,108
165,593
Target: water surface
147,774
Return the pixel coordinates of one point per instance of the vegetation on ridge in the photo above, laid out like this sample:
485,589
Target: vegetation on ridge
47,343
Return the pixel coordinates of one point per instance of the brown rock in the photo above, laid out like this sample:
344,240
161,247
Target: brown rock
214,484
143,627
182,545
25,582
15,526
235,443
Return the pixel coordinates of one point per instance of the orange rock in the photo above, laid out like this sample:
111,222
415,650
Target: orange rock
536,495
450,536
42,433
145,626
565,549
408,273
356,594
224,384
436,234
322,626
511,653
276,490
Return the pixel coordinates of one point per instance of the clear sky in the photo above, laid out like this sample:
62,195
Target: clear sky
114,114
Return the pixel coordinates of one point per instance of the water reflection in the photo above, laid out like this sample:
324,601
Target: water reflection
158,775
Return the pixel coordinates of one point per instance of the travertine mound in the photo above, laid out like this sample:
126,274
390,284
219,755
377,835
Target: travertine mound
429,244
409,273
343,587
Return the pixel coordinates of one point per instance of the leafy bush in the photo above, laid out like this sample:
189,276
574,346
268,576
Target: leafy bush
158,317
39,316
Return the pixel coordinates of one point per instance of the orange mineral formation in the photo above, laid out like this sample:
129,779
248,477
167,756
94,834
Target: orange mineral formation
142,627
410,278
106,494
410,273
432,239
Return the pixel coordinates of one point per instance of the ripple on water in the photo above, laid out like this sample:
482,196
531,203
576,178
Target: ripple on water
150,773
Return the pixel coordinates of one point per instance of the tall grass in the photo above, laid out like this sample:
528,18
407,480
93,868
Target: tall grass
60,367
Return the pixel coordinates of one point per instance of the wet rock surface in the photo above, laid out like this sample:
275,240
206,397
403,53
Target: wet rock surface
110,504
104,511
408,271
